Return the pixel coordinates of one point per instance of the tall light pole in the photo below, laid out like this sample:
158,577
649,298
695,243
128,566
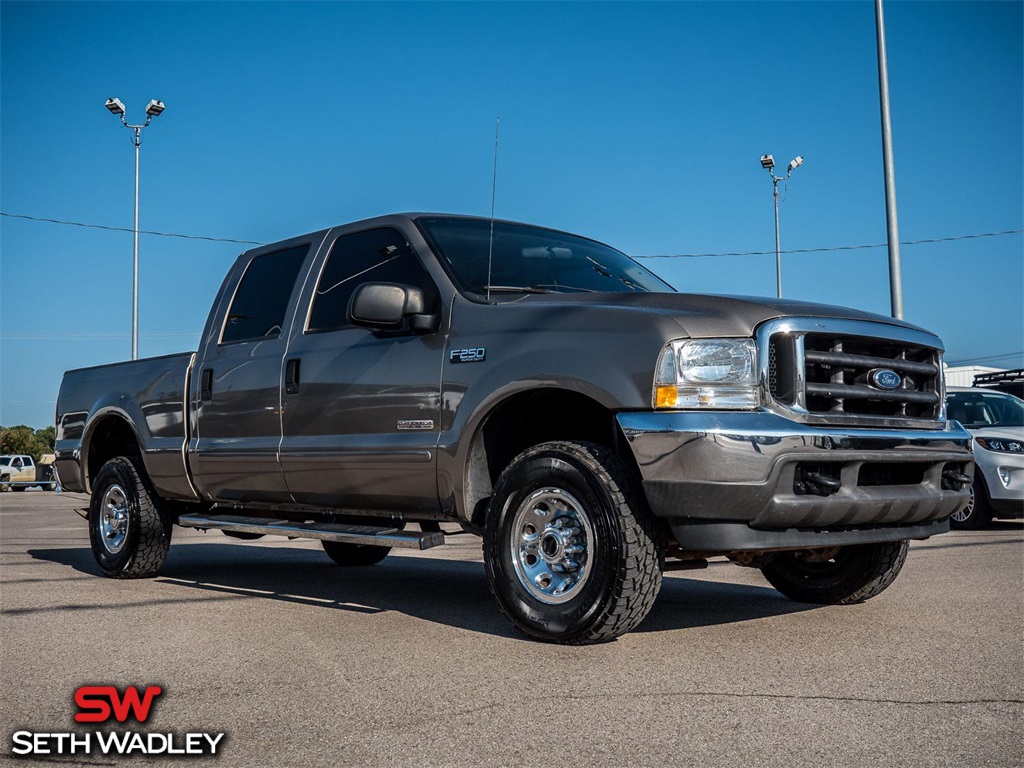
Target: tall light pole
768,163
153,109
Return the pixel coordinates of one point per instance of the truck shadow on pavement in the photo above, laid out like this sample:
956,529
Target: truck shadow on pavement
448,592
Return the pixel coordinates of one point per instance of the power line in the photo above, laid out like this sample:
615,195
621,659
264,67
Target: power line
836,247
657,256
126,229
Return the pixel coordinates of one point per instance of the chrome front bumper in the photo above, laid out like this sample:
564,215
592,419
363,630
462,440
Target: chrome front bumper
751,468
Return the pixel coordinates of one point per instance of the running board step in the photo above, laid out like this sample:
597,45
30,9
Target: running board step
349,534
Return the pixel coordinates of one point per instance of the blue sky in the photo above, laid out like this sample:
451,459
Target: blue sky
638,124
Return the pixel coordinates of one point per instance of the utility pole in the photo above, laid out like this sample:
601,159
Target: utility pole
891,221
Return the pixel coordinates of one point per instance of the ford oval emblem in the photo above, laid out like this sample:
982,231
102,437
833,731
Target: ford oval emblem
883,378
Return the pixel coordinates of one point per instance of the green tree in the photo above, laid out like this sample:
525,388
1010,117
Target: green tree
48,436
25,440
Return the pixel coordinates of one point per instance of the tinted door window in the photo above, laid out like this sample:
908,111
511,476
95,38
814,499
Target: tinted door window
374,256
257,310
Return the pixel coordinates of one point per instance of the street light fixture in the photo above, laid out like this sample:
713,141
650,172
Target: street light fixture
153,109
768,163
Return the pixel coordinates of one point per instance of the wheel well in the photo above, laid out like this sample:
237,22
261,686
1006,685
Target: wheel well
528,419
112,437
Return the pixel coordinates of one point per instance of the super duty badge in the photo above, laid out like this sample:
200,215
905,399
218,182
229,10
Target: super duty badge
474,355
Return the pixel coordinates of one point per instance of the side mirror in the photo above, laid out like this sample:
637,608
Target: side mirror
384,306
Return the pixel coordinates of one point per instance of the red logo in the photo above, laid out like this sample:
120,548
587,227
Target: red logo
97,703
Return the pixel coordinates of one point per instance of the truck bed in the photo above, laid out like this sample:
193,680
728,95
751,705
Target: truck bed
151,394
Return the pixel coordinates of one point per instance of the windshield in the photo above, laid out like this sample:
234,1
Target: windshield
985,409
528,259
5,461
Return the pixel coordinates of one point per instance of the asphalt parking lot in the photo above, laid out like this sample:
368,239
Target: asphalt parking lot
409,662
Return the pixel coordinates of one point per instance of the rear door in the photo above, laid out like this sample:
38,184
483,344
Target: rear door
362,407
236,389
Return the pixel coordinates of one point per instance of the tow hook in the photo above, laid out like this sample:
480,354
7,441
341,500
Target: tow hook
816,480
956,480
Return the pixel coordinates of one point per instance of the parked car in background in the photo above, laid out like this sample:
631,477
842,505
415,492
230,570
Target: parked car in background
996,421
21,471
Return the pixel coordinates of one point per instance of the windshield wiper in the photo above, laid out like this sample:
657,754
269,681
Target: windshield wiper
537,288
518,289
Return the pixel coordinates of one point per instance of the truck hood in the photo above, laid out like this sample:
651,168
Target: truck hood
710,315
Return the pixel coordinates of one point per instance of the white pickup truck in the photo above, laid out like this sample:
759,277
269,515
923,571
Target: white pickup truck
20,472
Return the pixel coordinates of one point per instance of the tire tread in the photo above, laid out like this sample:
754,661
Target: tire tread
154,530
637,580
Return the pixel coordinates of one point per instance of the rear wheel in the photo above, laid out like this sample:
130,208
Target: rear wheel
244,535
129,531
837,576
978,512
572,553
355,555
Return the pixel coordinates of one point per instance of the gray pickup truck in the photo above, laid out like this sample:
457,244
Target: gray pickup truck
364,384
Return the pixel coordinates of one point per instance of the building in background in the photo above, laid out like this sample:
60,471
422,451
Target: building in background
963,375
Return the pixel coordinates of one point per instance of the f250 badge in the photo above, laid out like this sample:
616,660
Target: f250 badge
474,355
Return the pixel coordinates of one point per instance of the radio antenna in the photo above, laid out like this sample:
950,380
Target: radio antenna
494,184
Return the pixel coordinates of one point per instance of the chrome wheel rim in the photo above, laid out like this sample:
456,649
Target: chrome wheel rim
552,545
114,519
965,513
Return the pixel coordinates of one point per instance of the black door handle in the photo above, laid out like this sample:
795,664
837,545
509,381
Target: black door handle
291,376
206,384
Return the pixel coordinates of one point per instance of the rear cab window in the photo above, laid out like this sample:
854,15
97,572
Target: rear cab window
258,307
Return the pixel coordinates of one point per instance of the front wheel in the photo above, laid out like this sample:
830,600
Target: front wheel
978,512
838,576
572,553
128,529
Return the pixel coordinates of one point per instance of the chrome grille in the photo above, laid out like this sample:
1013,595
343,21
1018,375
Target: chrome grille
832,371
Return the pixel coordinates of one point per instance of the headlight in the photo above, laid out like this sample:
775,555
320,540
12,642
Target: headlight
1000,444
707,373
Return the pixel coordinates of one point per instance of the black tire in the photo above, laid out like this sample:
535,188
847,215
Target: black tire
4,487
244,535
573,554
356,555
978,512
854,574
129,531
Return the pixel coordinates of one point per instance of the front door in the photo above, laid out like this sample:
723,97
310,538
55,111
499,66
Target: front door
361,407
